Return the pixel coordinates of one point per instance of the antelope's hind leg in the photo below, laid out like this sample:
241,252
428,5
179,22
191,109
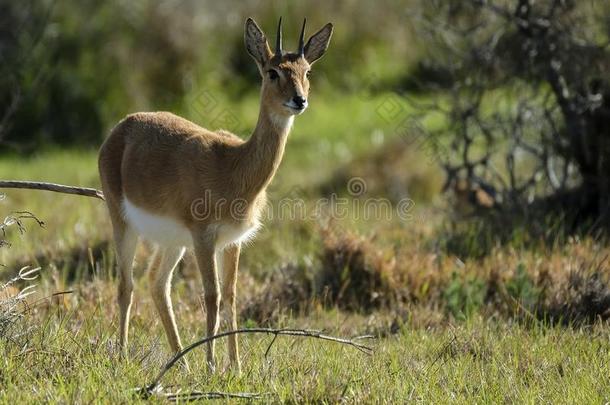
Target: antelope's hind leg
126,241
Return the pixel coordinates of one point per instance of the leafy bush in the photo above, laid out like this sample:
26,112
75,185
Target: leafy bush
464,295
521,287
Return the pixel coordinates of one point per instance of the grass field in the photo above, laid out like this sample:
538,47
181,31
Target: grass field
73,358
518,325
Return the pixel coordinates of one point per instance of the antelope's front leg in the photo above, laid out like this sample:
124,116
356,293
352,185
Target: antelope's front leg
230,265
206,261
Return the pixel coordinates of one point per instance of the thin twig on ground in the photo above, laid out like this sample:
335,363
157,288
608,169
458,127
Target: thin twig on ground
197,395
155,385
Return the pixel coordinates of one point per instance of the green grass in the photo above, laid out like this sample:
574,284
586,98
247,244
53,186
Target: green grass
72,357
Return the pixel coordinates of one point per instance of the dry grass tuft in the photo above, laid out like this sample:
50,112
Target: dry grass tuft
288,290
12,300
356,275
584,296
12,296
416,286
349,273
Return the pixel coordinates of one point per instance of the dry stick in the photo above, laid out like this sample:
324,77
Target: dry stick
195,395
58,188
276,332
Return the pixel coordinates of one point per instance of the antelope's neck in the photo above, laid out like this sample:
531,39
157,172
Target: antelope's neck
261,155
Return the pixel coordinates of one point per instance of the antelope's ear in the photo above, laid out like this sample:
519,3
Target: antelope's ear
318,44
256,44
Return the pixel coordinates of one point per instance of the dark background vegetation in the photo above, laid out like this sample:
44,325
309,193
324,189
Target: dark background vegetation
71,69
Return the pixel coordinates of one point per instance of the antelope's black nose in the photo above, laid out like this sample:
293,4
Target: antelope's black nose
299,101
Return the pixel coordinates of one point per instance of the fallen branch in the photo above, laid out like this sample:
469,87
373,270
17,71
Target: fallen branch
155,387
197,395
57,188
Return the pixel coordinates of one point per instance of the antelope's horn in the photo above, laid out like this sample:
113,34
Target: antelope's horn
278,39
302,39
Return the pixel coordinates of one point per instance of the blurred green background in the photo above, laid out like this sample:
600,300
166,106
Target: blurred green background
80,66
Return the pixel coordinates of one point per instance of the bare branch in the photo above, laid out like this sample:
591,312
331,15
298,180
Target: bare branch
57,188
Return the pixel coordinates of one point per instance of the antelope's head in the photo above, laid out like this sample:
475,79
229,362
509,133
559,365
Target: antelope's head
285,85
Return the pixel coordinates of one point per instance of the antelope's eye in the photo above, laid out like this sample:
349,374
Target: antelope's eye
273,75
308,73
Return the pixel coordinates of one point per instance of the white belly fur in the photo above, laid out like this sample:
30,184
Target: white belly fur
168,232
